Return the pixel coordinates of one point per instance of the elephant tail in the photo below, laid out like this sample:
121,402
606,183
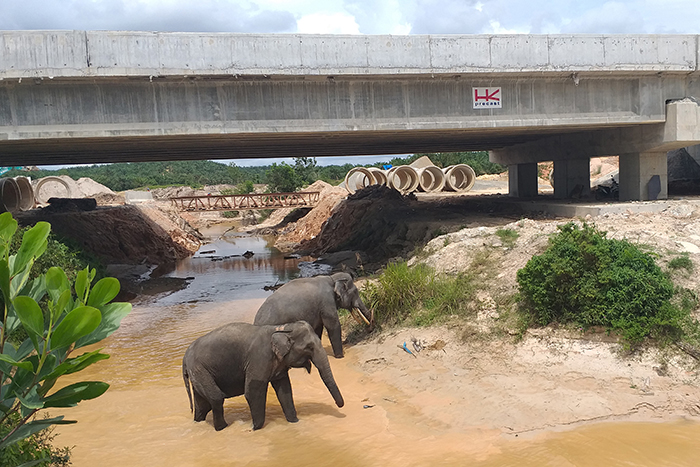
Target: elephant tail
186,378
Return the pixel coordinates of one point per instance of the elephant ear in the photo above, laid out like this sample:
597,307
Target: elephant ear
281,344
340,287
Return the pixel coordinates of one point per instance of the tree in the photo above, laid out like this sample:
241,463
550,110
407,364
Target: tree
282,178
37,341
305,167
235,174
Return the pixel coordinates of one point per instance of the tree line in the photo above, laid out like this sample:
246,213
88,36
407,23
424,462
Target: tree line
281,177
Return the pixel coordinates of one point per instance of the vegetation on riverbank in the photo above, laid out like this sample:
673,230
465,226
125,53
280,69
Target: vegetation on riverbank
586,279
416,295
582,280
61,252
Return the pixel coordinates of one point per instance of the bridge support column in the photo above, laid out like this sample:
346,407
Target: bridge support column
572,178
643,176
522,180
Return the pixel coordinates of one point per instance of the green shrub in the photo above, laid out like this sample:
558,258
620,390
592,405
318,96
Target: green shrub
416,295
60,252
589,280
229,214
281,178
36,448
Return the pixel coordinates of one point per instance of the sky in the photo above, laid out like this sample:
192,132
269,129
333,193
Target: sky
358,16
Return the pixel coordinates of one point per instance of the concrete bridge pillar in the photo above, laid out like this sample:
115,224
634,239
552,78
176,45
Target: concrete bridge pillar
522,180
643,176
572,178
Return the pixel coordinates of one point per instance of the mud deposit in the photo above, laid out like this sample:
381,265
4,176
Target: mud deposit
144,418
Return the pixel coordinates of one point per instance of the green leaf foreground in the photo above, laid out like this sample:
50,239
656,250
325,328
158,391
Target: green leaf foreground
44,319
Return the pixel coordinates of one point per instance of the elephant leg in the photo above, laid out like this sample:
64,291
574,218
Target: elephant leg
283,388
336,338
256,395
217,408
201,407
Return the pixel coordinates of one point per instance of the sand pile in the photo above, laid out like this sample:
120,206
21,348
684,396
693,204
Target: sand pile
310,225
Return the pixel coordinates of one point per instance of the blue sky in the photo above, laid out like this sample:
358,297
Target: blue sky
358,17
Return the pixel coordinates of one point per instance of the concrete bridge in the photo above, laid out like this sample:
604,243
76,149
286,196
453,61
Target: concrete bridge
91,97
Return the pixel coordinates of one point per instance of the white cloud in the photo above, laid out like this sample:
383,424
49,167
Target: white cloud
496,28
327,23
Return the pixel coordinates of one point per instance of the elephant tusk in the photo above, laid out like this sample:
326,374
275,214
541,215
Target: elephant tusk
353,312
359,317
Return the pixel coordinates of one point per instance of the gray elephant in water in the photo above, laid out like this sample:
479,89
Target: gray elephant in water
316,300
240,358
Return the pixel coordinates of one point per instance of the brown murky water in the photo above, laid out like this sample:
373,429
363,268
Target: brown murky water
144,418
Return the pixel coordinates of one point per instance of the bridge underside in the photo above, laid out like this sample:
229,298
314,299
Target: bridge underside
94,150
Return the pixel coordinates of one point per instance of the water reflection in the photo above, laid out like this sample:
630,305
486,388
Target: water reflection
226,275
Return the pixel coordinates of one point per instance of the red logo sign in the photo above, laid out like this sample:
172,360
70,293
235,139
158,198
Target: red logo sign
487,98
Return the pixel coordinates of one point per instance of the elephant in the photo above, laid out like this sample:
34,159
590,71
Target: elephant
241,358
316,300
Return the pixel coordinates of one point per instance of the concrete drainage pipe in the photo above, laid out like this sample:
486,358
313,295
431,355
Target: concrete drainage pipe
459,178
358,178
9,195
26,193
430,179
403,178
52,180
378,174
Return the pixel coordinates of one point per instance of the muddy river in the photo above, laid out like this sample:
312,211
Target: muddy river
144,418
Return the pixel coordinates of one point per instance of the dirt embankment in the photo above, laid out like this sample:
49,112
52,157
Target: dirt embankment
473,373
152,233
121,234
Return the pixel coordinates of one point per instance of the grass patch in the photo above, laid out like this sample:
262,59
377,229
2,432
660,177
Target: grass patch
417,295
681,262
438,232
507,236
264,214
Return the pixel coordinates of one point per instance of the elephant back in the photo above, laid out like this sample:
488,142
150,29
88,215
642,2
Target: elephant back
298,300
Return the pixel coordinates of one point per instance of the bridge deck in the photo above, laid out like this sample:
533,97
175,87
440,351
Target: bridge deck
246,201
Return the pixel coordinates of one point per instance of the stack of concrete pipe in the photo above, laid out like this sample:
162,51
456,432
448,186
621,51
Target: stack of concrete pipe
16,194
421,175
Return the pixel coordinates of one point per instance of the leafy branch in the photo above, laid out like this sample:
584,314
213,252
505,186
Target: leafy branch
30,366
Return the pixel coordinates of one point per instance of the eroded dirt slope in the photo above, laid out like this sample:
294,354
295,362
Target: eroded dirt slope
126,234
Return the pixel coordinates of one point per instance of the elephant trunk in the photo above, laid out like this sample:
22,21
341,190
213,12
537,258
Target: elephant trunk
320,361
